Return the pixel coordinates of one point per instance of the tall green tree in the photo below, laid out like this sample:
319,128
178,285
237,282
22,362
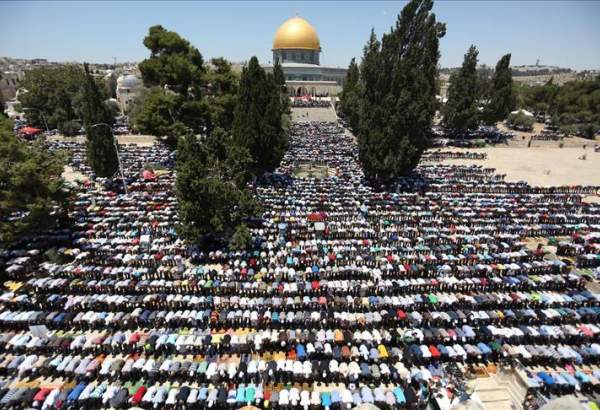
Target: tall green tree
32,195
100,144
176,73
371,138
461,111
278,75
399,93
350,99
156,112
224,84
502,97
173,63
258,119
279,78
185,93
212,199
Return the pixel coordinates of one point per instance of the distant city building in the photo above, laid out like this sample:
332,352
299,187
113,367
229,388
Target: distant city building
297,48
129,87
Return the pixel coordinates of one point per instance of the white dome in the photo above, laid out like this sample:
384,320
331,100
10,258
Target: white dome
129,81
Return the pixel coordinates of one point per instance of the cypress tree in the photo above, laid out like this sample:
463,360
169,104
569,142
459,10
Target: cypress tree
279,78
502,99
258,119
370,137
278,74
101,152
350,99
398,96
461,110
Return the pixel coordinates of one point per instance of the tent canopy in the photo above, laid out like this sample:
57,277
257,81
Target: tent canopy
30,130
522,111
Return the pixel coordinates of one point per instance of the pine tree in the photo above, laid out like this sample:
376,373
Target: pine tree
258,119
461,111
398,94
178,80
502,99
174,63
101,152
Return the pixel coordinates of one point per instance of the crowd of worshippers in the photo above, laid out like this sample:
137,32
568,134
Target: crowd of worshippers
134,159
548,136
310,103
486,134
347,295
439,155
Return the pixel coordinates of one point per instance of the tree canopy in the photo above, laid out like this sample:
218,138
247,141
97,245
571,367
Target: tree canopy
101,152
279,78
258,119
461,112
520,121
184,93
31,187
398,93
573,106
224,85
193,105
213,202
502,97
173,63
58,93
350,98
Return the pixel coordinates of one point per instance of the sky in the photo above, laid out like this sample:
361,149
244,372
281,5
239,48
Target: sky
561,33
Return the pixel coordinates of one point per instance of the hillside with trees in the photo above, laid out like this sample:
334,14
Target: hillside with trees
574,106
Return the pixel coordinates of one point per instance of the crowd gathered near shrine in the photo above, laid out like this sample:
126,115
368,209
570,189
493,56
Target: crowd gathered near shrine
346,296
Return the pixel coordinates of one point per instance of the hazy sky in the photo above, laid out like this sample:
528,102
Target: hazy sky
563,33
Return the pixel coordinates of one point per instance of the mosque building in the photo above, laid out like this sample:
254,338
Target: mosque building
297,48
129,87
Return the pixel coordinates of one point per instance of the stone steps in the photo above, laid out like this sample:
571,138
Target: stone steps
503,390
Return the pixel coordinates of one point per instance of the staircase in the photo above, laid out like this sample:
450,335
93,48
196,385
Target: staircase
491,393
504,390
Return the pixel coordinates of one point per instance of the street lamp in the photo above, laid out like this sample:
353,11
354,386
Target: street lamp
41,113
103,124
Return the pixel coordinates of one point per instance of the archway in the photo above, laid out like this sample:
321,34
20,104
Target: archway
302,91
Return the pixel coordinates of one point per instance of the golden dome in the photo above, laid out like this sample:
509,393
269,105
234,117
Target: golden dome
296,33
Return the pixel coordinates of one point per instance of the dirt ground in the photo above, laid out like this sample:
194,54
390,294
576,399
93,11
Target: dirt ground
542,166
313,114
522,138
71,175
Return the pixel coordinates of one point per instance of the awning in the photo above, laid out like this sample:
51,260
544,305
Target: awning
30,131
